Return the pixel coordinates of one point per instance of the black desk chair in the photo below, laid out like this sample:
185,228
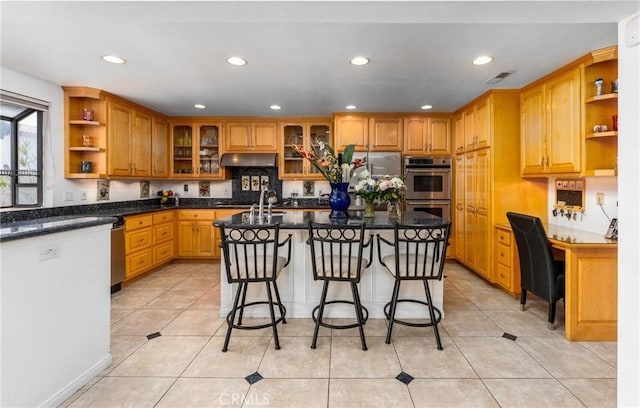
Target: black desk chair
251,256
419,254
337,256
540,274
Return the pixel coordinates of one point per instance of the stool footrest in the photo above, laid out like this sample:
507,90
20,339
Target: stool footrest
314,314
414,324
283,311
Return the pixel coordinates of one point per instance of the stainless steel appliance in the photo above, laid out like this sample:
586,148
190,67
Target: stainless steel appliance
427,178
439,208
117,255
428,185
378,164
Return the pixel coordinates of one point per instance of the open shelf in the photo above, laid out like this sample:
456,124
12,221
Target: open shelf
86,149
611,133
605,97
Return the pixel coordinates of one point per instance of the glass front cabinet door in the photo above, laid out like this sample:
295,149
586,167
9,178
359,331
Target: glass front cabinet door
305,134
196,151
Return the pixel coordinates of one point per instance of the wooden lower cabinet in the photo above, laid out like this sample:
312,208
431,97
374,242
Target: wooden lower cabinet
196,234
218,238
137,244
149,241
507,264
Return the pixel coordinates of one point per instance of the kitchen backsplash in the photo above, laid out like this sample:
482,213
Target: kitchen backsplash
246,182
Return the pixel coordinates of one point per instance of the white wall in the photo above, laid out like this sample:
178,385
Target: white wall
593,219
629,235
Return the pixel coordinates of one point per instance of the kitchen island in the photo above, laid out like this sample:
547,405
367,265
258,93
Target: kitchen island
300,293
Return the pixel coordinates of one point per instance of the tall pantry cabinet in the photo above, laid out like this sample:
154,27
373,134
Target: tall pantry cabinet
487,178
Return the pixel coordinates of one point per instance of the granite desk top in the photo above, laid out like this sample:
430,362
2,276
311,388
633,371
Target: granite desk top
300,219
561,236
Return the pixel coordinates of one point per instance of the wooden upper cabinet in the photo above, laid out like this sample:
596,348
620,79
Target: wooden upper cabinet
351,129
564,138
141,145
159,147
550,131
532,131
120,133
305,132
477,125
251,137
385,134
459,129
427,135
195,145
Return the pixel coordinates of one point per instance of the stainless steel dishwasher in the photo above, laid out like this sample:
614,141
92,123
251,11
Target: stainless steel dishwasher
117,255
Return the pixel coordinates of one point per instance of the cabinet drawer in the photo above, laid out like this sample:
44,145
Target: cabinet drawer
163,253
139,221
196,215
164,216
138,263
503,276
503,255
136,240
162,233
504,237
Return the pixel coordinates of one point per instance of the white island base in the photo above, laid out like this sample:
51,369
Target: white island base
301,294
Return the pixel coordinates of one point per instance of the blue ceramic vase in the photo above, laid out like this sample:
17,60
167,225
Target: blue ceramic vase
339,200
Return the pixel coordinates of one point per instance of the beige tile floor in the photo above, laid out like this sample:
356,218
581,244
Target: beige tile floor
184,367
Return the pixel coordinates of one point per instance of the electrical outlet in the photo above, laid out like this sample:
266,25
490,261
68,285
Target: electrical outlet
68,196
83,195
600,199
47,253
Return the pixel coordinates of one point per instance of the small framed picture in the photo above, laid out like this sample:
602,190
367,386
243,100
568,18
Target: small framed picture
308,188
144,189
264,181
246,183
204,189
255,183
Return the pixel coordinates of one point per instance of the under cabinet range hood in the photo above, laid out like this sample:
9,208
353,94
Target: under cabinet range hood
249,160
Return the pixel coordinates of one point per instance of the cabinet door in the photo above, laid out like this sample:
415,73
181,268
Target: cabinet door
459,210
470,135
292,165
265,137
482,178
482,115
415,135
207,149
238,136
187,246
159,148
564,140
385,134
351,130
182,145
318,132
205,238
470,211
439,140
120,133
141,145
532,131
459,133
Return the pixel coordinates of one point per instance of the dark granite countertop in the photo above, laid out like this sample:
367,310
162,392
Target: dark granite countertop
35,222
300,219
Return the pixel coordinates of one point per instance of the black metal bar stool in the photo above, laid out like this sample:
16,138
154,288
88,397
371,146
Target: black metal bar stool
419,254
337,256
251,256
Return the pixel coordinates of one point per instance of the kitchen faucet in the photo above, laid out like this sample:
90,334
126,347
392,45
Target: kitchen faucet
265,191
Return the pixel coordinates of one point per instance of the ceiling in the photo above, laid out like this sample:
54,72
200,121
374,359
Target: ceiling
298,51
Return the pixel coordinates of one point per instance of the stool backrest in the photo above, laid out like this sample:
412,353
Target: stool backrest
250,252
420,251
336,251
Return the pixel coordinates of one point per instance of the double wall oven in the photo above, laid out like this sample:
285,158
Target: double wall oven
428,185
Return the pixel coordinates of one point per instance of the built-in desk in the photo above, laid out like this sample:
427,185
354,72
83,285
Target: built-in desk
591,283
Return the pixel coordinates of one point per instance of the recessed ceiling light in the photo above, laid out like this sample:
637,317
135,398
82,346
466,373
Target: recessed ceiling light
199,106
425,107
483,59
359,60
237,61
275,107
114,59
351,107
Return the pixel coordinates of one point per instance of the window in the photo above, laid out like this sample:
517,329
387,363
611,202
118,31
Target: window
21,130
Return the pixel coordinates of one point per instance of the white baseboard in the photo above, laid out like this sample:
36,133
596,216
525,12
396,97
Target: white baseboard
60,396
